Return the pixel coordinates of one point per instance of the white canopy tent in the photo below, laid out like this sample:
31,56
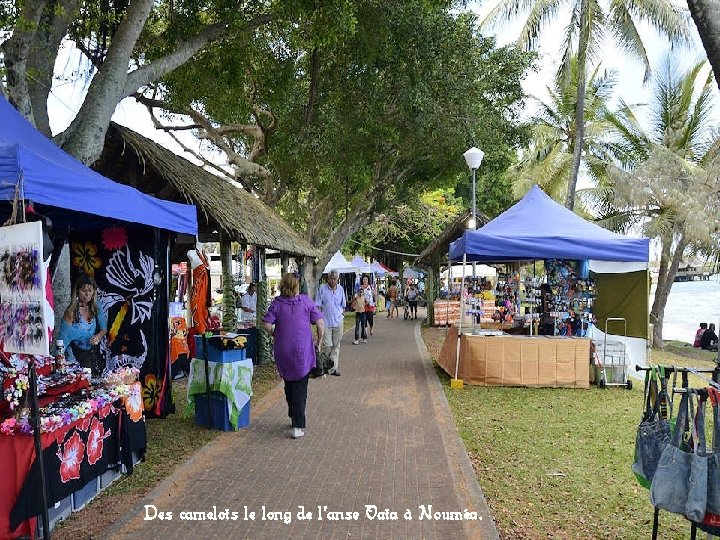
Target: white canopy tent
362,265
341,264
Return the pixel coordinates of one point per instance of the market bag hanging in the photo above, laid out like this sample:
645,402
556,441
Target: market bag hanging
653,433
680,484
711,522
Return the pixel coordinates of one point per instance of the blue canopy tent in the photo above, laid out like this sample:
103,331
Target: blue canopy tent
45,174
539,228
83,205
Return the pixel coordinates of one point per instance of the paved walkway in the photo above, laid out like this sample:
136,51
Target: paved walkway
380,436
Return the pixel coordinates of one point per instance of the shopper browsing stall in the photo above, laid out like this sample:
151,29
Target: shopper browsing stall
84,324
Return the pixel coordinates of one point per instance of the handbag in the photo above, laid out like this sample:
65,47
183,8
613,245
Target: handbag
680,483
711,521
90,358
653,433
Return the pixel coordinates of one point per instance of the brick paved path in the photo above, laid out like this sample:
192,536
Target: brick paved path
381,434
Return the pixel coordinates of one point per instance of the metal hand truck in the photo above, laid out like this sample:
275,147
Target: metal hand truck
614,367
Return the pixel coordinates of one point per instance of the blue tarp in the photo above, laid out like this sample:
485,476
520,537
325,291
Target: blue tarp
539,228
53,177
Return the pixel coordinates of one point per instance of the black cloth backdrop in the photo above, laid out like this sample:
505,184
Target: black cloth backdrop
86,451
125,262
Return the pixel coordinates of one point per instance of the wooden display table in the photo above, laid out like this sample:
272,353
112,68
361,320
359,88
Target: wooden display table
534,361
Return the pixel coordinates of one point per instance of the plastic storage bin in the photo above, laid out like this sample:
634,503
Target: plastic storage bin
215,354
220,416
85,494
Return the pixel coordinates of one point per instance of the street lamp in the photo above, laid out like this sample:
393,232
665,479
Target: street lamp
473,158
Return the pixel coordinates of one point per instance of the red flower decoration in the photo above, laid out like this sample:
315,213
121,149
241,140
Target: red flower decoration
95,441
114,238
85,423
71,455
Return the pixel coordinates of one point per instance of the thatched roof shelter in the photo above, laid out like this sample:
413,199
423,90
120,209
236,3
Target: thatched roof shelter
132,159
439,247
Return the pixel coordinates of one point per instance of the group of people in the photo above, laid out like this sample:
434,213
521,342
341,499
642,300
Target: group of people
706,338
412,295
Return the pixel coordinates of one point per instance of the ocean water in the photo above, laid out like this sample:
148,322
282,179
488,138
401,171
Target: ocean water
689,304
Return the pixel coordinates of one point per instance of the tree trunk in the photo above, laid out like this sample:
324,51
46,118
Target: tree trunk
669,263
706,14
580,104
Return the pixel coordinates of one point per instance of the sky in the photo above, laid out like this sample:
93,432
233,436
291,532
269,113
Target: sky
629,86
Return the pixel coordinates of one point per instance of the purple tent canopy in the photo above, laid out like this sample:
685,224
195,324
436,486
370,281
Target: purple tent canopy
46,174
539,228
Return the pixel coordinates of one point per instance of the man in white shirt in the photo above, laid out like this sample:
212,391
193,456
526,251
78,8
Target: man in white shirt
248,304
331,301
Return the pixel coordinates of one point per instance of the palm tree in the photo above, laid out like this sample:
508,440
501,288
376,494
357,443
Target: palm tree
706,14
665,179
590,22
548,159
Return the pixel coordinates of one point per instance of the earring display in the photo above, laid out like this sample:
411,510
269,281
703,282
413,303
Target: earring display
22,290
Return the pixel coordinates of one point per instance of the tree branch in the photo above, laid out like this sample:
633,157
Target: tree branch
312,94
184,52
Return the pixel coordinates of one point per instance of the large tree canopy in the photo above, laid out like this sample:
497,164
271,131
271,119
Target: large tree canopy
337,118
116,36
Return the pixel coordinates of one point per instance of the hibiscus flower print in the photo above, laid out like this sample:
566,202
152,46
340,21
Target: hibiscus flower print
114,238
71,456
84,257
95,441
134,403
150,392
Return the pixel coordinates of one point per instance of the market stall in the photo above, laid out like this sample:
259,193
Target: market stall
537,228
61,422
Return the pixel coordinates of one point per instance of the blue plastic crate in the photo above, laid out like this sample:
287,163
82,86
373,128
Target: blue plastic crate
85,494
244,418
108,477
220,415
215,354
218,404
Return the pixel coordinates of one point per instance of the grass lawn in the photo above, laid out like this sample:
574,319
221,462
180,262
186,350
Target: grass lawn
555,463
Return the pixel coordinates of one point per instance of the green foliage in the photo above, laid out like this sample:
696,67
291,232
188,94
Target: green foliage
656,169
411,226
374,101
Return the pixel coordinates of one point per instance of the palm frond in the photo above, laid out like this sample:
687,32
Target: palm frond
626,34
541,13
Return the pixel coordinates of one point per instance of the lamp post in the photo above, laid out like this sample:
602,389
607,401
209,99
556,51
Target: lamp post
473,158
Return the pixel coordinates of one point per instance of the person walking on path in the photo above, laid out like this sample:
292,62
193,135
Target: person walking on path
370,303
393,300
288,318
331,301
411,296
358,306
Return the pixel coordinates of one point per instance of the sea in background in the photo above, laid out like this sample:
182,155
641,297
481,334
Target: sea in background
689,304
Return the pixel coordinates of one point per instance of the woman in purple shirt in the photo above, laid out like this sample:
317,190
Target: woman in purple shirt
291,314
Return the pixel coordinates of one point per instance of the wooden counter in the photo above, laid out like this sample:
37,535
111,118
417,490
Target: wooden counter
537,361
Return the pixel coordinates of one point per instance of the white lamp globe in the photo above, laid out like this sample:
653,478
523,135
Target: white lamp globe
474,157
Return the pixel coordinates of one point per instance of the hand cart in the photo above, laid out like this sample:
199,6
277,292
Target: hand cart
614,366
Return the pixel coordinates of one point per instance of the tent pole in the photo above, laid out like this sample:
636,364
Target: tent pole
454,383
447,298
